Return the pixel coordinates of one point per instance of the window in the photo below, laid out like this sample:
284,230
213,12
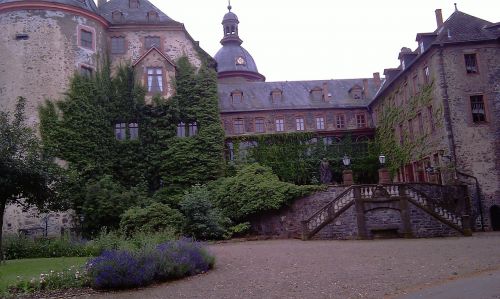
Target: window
86,39
117,16
276,95
477,109
193,129
237,96
471,63
86,71
117,45
153,16
181,130
280,125
260,126
299,124
416,84
134,131
361,121
317,94
239,126
121,131
341,121
152,41
320,123
155,79
431,119
410,129
405,93
134,3
420,123
427,75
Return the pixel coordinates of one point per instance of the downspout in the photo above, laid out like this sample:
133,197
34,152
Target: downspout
446,110
478,192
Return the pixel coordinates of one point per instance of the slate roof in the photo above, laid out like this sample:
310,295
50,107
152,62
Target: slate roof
227,55
459,27
134,15
295,95
463,28
87,4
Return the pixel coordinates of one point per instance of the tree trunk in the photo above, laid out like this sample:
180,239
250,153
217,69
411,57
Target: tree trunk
2,211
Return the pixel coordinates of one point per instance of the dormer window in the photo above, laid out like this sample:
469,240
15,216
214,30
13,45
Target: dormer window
153,16
117,16
236,96
422,47
276,95
134,3
317,94
356,92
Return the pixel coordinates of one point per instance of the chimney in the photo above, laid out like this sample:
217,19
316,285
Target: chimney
439,17
376,79
325,92
365,87
101,2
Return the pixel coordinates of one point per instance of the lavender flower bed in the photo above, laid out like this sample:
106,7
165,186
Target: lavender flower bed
122,269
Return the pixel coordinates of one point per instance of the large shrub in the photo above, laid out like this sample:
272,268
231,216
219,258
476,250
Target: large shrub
22,247
254,189
203,220
125,269
153,218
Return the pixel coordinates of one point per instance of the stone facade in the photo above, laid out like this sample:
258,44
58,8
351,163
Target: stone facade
381,218
461,62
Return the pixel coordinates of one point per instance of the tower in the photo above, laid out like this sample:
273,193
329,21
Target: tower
234,63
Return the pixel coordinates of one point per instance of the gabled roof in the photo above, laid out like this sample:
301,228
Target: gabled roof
159,52
295,95
462,27
134,15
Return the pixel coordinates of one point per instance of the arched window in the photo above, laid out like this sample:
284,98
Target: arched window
117,16
233,29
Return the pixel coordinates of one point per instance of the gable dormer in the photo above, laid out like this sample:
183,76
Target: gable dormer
117,16
316,93
236,96
406,57
356,92
133,4
276,95
153,16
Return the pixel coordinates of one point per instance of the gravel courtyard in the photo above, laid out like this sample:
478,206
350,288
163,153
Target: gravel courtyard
331,269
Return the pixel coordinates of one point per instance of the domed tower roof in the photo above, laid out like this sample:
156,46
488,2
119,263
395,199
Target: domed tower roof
233,61
86,4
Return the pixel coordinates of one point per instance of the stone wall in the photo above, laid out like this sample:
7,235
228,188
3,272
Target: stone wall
382,218
40,67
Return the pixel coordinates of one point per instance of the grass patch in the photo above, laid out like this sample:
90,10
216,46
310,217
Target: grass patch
28,268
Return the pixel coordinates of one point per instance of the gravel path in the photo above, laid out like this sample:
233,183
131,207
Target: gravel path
331,269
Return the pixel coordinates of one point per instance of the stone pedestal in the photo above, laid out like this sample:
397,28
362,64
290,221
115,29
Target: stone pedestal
347,177
384,177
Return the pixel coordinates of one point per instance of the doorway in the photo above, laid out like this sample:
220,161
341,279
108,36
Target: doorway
495,217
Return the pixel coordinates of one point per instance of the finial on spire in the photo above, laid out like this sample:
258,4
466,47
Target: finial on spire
229,7
456,9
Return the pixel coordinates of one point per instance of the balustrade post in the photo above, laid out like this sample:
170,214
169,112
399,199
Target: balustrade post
466,225
360,213
305,231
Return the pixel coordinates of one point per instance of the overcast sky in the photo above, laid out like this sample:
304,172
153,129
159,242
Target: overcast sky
320,39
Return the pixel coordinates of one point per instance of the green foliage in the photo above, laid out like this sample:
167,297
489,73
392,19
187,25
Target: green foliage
80,131
21,247
104,203
391,117
254,189
27,172
295,157
204,221
153,218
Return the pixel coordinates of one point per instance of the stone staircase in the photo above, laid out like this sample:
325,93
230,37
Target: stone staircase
366,198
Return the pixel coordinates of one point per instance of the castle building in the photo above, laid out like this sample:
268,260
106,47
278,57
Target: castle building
44,42
457,127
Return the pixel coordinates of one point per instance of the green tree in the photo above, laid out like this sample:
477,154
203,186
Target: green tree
153,218
28,175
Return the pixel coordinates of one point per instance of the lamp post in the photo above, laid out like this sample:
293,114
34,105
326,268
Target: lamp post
347,173
384,176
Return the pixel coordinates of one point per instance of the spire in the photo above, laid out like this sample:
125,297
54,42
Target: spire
230,27
456,8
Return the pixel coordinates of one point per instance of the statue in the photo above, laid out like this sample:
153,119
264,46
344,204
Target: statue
325,172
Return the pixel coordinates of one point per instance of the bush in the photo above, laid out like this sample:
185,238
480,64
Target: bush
124,269
22,247
203,221
156,217
254,189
